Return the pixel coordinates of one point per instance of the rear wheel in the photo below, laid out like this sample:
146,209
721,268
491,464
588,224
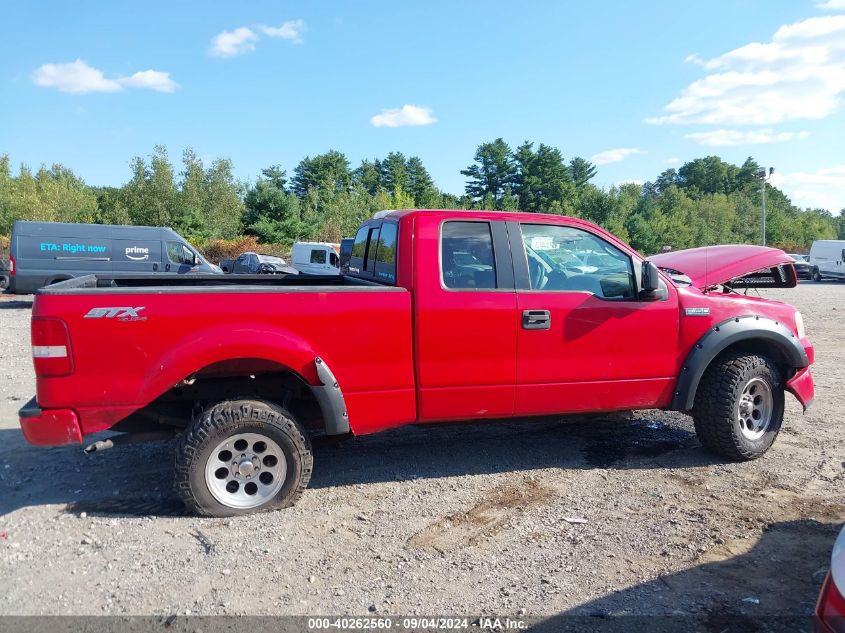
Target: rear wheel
242,456
738,407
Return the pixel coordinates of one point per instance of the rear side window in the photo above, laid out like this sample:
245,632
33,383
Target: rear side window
374,252
385,265
371,249
318,256
466,256
359,250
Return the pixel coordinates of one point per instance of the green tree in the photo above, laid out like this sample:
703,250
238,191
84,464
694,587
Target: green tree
272,213
329,170
420,185
224,208
581,171
543,182
493,170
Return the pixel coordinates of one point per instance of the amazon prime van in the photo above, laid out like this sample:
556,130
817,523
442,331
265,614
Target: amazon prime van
44,253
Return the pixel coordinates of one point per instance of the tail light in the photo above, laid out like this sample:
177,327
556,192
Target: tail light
830,610
51,353
11,265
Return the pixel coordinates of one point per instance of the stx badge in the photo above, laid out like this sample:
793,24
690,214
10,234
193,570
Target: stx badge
121,313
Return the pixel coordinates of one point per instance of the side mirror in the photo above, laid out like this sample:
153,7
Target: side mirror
649,281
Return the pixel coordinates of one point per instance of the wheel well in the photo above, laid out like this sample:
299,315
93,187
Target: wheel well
760,347
56,279
248,378
747,334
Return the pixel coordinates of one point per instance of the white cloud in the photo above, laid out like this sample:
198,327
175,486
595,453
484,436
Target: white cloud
150,79
80,78
831,5
230,43
717,138
615,155
824,188
77,77
799,74
291,30
674,160
407,115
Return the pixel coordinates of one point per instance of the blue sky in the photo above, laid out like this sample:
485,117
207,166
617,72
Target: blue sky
636,86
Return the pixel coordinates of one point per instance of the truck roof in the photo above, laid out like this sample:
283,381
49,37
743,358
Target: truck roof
515,216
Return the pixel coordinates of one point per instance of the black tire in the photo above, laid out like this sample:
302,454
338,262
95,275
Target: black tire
716,411
197,446
816,275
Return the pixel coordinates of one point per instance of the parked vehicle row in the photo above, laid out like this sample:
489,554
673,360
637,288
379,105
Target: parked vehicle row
310,258
446,316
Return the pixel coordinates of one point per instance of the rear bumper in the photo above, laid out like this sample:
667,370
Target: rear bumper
801,386
49,427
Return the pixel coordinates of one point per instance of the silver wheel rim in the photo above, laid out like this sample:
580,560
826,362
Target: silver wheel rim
245,470
754,412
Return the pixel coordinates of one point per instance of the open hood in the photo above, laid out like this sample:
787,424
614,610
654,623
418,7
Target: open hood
737,265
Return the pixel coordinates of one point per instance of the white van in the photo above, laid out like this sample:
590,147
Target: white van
315,258
827,259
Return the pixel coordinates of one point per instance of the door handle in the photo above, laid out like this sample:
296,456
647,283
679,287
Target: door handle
536,320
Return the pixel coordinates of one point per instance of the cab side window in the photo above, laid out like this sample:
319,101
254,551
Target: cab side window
178,253
563,258
466,256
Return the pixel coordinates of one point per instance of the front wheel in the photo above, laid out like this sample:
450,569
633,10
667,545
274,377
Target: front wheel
242,456
817,276
738,407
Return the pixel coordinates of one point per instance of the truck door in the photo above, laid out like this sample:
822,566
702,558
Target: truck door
465,325
586,342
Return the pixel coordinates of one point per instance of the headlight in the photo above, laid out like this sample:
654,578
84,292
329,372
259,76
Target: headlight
799,324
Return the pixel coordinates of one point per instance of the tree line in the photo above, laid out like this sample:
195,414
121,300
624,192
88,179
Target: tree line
704,201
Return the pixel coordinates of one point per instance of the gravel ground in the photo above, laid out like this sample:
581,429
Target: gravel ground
536,518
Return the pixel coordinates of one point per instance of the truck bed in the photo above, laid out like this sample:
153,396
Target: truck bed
133,339
159,284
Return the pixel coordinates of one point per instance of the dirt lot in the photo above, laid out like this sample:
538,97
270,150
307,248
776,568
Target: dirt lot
535,519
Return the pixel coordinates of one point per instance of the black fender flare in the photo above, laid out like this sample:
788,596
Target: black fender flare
330,398
727,333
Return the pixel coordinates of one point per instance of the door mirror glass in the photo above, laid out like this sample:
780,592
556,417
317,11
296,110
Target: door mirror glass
650,278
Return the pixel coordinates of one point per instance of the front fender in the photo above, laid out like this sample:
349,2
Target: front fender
746,328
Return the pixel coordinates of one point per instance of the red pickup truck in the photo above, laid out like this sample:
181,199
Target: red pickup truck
442,316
